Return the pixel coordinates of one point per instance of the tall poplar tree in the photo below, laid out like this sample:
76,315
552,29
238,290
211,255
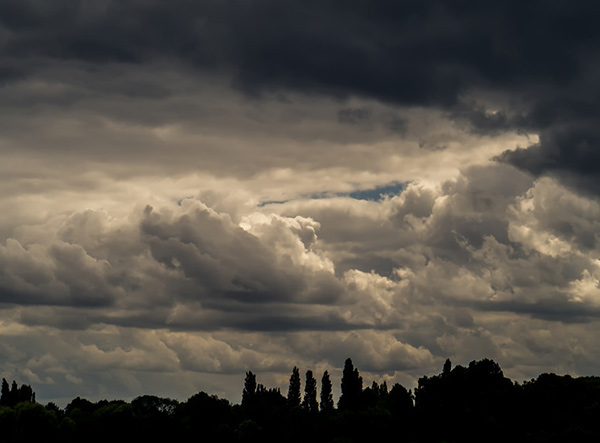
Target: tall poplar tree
5,395
310,393
326,393
351,387
249,391
293,396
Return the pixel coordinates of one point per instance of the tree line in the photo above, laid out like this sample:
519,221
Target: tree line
461,404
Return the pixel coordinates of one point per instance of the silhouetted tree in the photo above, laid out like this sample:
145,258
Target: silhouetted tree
310,393
269,408
80,404
383,389
114,418
461,404
479,397
351,387
326,393
35,423
210,416
5,393
10,397
26,393
293,396
8,423
152,406
249,389
369,397
399,401
51,406
14,393
447,367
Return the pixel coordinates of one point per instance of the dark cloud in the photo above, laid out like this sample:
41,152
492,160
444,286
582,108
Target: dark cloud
9,74
353,116
423,52
363,120
395,124
541,56
569,151
550,310
60,274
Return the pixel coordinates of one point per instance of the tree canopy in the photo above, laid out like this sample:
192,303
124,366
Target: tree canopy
462,404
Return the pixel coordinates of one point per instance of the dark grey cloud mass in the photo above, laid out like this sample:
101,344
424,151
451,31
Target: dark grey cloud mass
192,189
541,56
427,52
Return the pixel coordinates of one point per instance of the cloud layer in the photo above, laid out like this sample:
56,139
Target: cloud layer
190,190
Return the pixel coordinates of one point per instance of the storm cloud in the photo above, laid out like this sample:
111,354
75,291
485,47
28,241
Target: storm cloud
193,189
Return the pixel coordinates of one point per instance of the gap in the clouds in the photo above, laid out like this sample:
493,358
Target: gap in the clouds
180,201
272,202
376,194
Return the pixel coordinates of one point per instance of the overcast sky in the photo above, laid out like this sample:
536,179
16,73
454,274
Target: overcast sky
193,189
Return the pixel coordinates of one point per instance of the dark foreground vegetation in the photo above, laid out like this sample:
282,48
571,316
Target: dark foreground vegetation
462,404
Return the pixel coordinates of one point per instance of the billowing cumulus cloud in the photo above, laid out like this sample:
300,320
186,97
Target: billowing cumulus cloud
191,190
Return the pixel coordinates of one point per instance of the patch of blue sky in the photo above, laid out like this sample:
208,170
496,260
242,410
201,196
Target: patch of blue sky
374,194
180,201
272,202
378,193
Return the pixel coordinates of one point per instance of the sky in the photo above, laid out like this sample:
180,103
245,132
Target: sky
190,190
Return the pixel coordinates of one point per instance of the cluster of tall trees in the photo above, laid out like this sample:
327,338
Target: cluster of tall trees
15,394
352,393
461,404
294,397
